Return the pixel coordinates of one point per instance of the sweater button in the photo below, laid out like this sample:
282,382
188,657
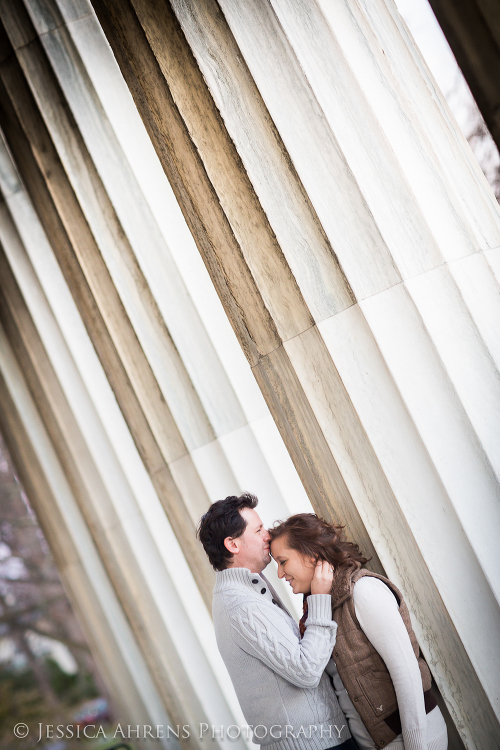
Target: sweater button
255,580
274,601
263,591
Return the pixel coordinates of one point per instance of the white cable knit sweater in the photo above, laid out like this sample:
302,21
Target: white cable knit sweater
279,679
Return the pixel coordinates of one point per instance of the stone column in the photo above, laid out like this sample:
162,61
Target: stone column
354,244
80,221
140,572
92,318
85,580
180,402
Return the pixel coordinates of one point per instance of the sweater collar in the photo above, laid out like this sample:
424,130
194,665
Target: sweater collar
257,582
226,578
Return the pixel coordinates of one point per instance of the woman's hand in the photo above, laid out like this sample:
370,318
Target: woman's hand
322,578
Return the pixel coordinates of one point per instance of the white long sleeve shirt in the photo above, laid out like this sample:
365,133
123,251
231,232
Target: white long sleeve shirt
378,614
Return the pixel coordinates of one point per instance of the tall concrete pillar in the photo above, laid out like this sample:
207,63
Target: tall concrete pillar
140,564
354,244
84,577
147,405
102,236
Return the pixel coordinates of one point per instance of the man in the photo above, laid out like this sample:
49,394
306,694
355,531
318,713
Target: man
278,677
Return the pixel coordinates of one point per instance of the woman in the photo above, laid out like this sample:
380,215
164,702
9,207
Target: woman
381,680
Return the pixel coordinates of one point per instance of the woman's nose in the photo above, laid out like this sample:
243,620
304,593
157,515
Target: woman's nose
281,573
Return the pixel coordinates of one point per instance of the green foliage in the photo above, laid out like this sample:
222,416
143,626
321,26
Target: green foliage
70,688
20,700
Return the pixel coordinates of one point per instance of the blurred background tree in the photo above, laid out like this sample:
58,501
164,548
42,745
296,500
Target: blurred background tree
426,31
46,669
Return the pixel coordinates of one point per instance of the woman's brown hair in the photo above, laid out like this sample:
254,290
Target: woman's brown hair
312,536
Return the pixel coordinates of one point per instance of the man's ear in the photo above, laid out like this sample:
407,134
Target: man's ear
231,544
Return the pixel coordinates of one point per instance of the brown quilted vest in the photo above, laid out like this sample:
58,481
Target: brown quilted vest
362,670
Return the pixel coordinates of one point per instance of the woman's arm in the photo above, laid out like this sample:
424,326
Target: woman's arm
378,614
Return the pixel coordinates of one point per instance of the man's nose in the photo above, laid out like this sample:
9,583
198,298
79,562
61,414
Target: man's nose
267,536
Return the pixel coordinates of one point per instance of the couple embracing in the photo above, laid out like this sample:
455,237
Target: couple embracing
350,674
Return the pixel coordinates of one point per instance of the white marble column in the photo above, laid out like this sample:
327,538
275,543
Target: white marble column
354,244
134,541
143,393
107,234
121,664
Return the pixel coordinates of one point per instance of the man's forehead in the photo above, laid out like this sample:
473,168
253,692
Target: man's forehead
251,517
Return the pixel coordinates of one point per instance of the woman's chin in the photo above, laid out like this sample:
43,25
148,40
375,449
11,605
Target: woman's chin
297,588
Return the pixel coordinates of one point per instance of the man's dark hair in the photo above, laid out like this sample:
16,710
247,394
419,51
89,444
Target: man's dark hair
223,519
